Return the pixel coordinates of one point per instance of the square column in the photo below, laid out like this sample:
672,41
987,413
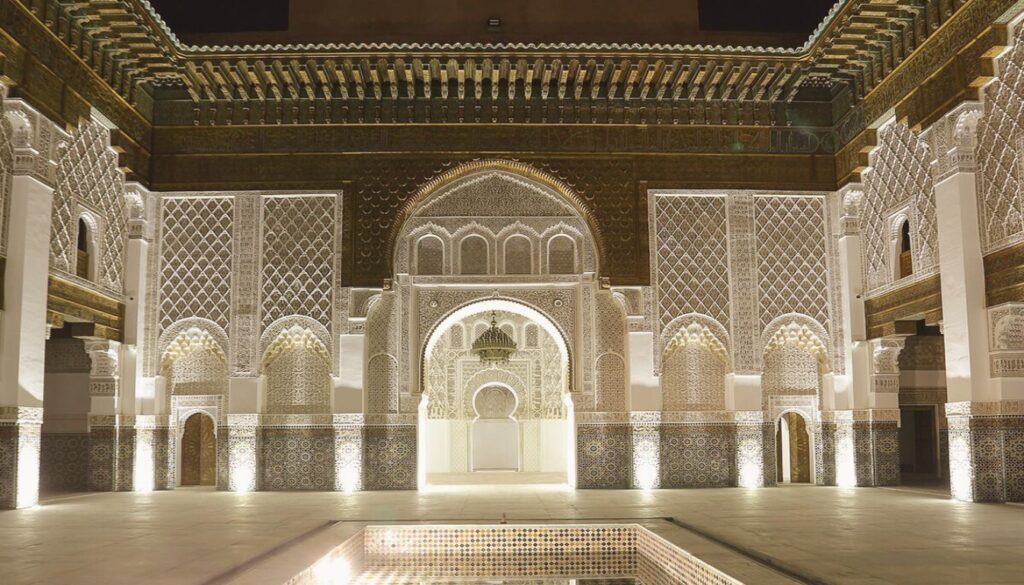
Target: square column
984,412
240,452
23,322
111,433
646,446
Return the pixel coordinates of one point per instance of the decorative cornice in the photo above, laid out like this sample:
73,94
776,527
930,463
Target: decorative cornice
920,298
184,48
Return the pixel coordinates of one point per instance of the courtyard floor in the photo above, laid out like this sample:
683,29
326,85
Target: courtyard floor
828,535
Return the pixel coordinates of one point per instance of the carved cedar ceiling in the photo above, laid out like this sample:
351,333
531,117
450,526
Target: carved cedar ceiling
855,48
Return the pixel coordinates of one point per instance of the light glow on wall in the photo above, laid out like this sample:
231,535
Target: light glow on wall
846,466
28,470
647,475
961,486
242,463
348,476
748,454
143,477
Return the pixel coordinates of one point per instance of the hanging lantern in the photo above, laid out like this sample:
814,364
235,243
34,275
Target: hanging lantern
494,346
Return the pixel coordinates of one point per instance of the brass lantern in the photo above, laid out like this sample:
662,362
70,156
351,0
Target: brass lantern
494,346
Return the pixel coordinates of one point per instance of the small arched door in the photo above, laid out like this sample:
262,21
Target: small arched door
793,449
198,451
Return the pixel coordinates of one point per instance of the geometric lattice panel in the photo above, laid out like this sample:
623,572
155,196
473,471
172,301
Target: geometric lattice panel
195,267
298,257
792,271
900,176
692,257
1000,172
88,175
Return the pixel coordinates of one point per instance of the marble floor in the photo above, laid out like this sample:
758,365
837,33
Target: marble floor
828,535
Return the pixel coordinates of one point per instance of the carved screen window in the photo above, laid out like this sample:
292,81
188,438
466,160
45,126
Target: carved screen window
561,255
84,248
905,261
430,256
518,254
473,255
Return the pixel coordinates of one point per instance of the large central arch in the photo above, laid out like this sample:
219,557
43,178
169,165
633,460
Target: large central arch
497,376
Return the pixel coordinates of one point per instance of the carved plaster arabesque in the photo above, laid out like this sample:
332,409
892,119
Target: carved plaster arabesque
900,176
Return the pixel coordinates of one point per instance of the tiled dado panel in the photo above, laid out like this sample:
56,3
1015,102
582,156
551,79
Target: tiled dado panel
996,462
770,471
64,462
298,458
659,562
389,457
164,460
697,455
825,454
223,457
603,456
509,550
111,458
878,443
409,553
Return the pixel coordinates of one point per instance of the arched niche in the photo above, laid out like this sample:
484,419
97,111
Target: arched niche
296,365
502,197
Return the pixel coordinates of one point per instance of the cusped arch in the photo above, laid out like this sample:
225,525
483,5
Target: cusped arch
800,331
294,337
515,169
491,376
187,335
696,328
291,324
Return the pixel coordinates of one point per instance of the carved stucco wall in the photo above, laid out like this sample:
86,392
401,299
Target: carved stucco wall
298,258
792,259
196,259
498,207
691,259
89,182
297,368
382,351
998,150
898,186
735,262
694,366
610,382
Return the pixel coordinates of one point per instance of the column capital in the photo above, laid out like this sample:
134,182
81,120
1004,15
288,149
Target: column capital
850,198
952,140
138,201
36,141
1006,339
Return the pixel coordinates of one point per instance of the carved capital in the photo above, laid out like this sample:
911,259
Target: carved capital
36,141
885,353
137,202
1006,340
953,140
104,355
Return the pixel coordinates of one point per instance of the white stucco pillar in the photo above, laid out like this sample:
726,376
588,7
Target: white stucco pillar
852,392
980,436
964,321
23,323
25,285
